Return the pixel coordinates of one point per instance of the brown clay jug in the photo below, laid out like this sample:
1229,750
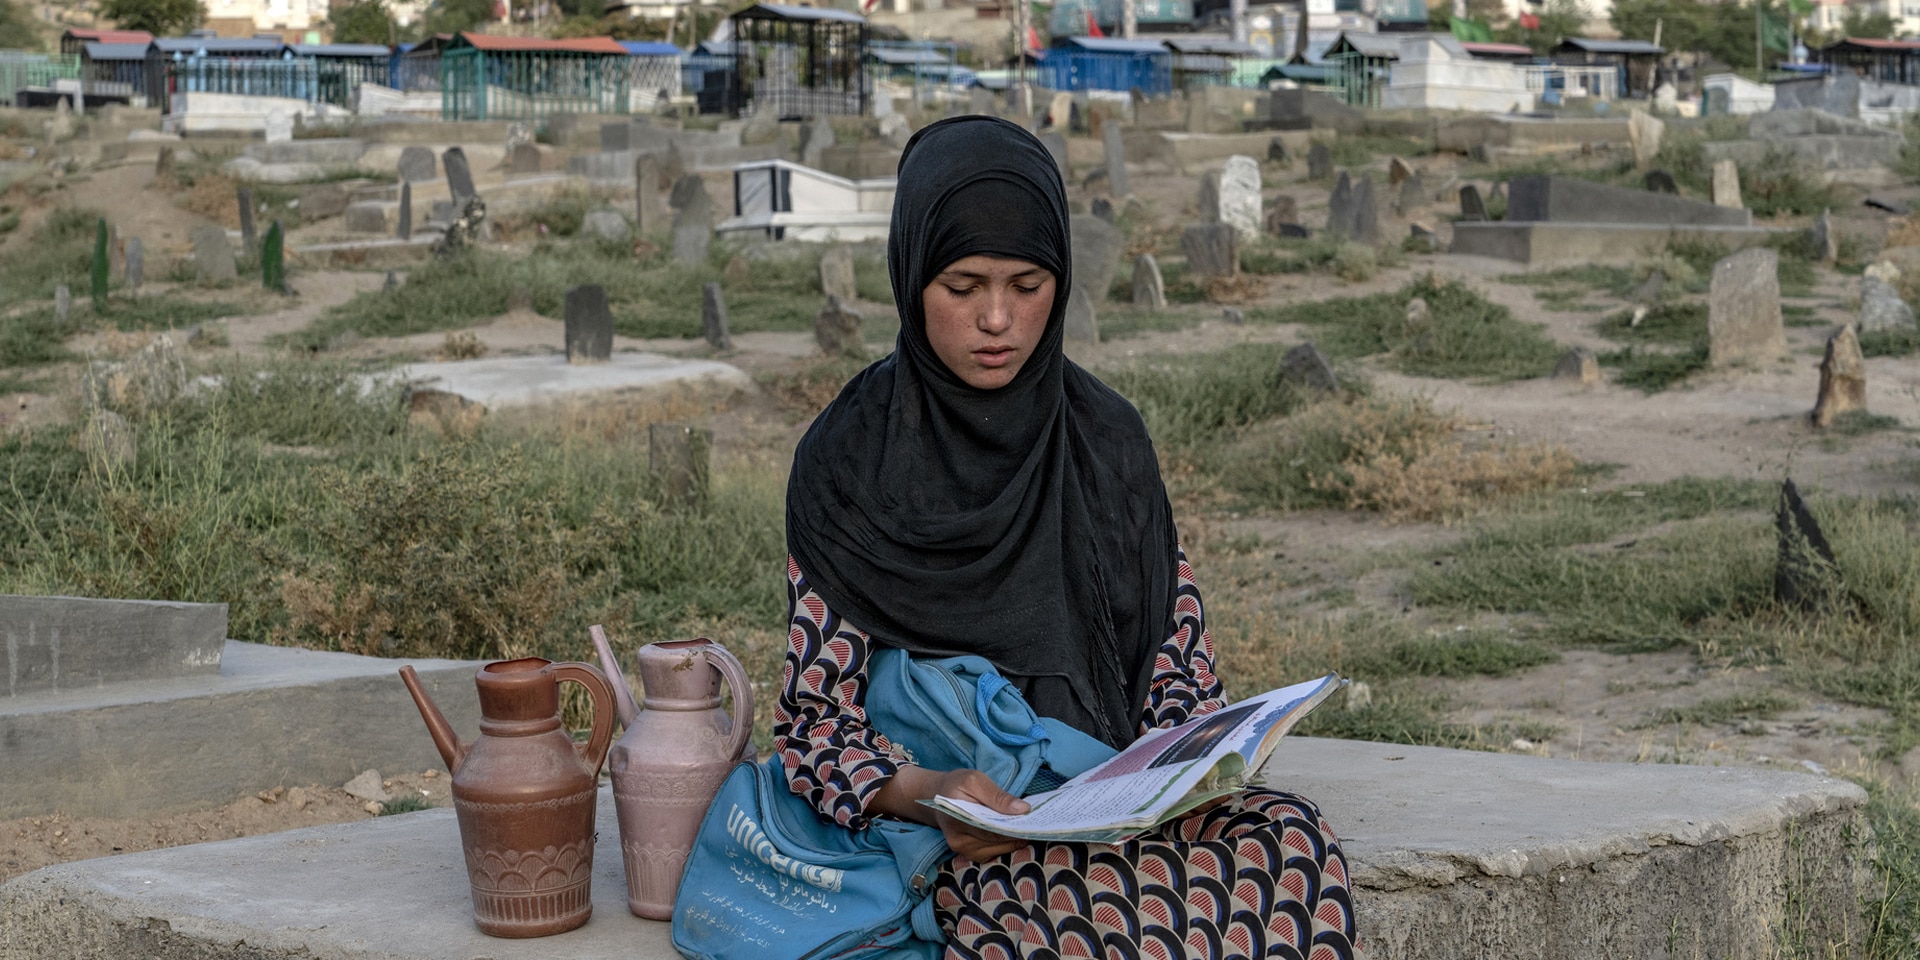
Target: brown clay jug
673,757
524,793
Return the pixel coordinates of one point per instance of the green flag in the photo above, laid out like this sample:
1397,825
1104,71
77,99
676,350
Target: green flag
1775,35
1800,8
1470,31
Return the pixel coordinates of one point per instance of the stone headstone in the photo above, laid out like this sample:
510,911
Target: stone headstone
1413,194
1097,246
650,214
1660,181
519,299
836,273
1472,208
1651,288
1726,184
1743,309
1281,209
1340,207
1644,132
524,158
163,164
244,199
713,318
519,134
684,189
1825,244
212,255
1366,216
1319,161
1056,145
1306,370
1116,162
442,212
815,138
616,137
279,126
1578,366
1149,289
1208,202
1424,238
1805,575
1240,197
404,229
1843,378
606,225
836,328
1212,250
136,263
589,324
62,303
417,165
1399,171
693,226
1081,324
459,176
1881,307
1060,112
678,457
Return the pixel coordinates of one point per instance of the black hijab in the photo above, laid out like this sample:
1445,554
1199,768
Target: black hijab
1028,524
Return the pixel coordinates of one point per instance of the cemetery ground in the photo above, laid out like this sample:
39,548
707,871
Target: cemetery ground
1507,561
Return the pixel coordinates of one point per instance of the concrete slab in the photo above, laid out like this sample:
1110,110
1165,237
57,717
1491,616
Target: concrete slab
497,382
274,716
1454,854
1549,245
81,643
1572,200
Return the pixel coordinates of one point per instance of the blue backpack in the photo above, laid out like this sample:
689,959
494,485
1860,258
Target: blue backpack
769,879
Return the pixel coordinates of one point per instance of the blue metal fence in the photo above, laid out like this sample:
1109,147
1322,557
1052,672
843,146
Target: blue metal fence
1067,68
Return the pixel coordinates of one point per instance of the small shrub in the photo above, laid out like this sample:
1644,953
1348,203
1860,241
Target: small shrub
411,803
1893,342
1469,336
1664,323
462,345
1355,263
1651,371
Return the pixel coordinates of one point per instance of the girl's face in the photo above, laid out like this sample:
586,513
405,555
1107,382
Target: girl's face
985,315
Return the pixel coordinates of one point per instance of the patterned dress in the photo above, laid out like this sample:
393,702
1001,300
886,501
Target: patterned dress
1261,875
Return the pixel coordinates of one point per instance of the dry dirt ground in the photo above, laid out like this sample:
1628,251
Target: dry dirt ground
1745,424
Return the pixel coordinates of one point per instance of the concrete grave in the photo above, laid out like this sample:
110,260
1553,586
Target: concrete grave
459,175
279,127
1472,208
1319,161
212,255
1116,159
836,273
1726,184
1149,290
1843,378
1568,200
136,263
74,643
1212,250
547,379
693,224
1097,246
374,216
1060,111
815,138
1881,307
713,318
418,165
1398,171
1101,207
1305,369
1081,323
1277,151
779,199
650,214
1743,309
523,159
1239,197
589,325
836,328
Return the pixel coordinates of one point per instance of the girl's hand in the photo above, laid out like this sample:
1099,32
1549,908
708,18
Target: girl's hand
901,797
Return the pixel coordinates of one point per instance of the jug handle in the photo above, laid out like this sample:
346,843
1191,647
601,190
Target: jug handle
594,751
729,666
610,665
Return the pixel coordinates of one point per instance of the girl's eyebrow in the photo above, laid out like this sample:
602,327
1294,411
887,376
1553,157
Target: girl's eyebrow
972,275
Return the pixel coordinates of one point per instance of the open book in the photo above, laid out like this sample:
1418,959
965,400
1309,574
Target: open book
1161,776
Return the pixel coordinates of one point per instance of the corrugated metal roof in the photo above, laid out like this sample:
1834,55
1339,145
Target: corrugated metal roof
1612,46
140,37
1496,49
1376,45
1113,45
649,48
493,44
339,50
904,58
1218,46
781,11
1872,44
116,51
218,45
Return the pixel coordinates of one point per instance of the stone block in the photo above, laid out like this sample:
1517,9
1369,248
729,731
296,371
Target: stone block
213,255
589,325
74,643
1644,132
1116,158
1097,246
1743,309
1843,378
1212,250
1304,368
372,216
418,164
836,273
1149,289
836,328
1569,200
1726,184
1580,366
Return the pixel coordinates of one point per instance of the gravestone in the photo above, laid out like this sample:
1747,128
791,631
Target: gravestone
1340,208
1081,324
1319,161
1116,162
1101,207
616,137
1843,378
605,225
392,283
836,273
1417,321
1472,208
1805,575
459,176
1651,288
136,263
518,135
1743,309
1660,181
418,165
693,226
1209,199
1578,366
1726,184
713,318
1825,244
1881,307
519,299
279,126
650,214
684,188
1366,216
1240,197
1060,112
677,456
836,328
524,158
1306,370
1212,250
1097,246
442,212
1149,289
1644,133
1424,238
1056,145
1283,209
815,138
1413,194
163,164
404,229
1399,171
1277,151
589,320
244,198
62,303
212,255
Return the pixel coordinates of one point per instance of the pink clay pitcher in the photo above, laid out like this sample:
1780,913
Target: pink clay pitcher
672,759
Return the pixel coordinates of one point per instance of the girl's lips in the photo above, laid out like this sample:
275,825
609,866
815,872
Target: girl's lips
993,356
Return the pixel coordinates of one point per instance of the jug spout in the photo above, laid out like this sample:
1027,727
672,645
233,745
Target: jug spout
451,749
610,665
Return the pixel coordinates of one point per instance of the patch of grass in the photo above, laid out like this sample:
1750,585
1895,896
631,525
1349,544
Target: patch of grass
1468,337
61,252
1797,315
1759,705
166,312
1683,323
1895,342
1402,715
1893,914
1651,371
32,339
1358,151
1565,300
1795,271
1191,399
411,803
1605,279
1462,654
1856,423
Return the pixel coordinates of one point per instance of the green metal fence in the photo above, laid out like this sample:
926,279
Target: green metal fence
19,68
1358,78
531,85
